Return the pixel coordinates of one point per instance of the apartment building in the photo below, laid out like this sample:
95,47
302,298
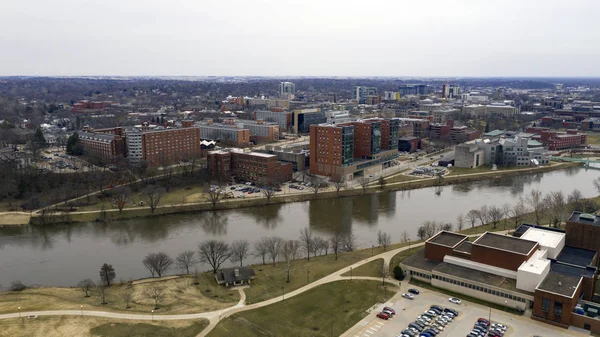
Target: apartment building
361,93
226,134
557,141
247,166
281,118
104,147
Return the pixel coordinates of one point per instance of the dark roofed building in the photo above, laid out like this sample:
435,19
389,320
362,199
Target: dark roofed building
504,242
442,244
583,231
235,276
577,256
556,297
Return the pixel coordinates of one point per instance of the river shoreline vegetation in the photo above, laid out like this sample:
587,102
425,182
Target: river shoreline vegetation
158,200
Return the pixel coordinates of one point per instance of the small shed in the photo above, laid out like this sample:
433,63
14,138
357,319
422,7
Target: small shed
235,276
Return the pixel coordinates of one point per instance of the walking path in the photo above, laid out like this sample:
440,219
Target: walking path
215,316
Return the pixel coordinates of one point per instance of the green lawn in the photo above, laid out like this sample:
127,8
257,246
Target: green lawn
464,297
327,310
372,268
147,330
593,138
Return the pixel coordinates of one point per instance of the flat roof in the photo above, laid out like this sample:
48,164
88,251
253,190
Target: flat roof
560,284
576,256
575,271
544,237
504,242
447,239
536,264
585,218
479,277
464,247
418,261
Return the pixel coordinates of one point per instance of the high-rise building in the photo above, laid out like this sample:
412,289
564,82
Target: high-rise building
303,118
414,89
287,89
362,93
450,91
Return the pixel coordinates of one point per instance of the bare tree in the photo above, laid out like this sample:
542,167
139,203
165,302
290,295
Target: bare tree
338,184
430,228
323,246
261,248
404,236
506,208
446,227
185,260
274,247
597,184
120,196
157,263
103,292
575,197
156,293
535,200
336,241
483,215
381,182
460,222
422,232
316,185
364,183
557,208
306,237
153,194
127,298
288,250
215,194
213,252
86,285
239,251
384,239
107,274
518,211
495,215
268,192
472,217
349,242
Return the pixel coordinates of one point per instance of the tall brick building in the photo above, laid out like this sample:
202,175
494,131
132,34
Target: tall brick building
102,146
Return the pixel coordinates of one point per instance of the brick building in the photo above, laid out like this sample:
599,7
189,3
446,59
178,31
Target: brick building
102,146
556,141
247,166
226,134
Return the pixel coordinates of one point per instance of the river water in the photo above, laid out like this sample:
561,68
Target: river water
62,255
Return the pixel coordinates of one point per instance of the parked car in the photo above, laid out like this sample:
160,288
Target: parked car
454,312
383,315
483,320
409,296
390,309
454,300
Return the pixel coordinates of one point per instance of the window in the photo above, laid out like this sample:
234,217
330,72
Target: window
545,304
558,306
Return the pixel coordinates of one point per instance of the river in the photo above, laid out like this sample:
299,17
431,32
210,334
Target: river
62,255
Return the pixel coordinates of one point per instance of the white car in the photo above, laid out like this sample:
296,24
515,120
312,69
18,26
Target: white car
409,296
454,300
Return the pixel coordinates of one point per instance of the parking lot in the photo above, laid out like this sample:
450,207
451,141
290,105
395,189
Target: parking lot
408,310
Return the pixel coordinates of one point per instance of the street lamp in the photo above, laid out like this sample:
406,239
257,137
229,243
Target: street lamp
505,306
282,293
81,307
153,315
350,273
19,311
307,273
372,248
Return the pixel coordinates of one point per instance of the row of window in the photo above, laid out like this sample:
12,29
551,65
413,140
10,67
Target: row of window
479,288
558,306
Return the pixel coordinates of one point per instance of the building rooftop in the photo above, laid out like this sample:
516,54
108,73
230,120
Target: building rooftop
478,276
447,239
418,261
585,218
574,271
494,133
543,237
464,247
576,256
537,264
504,242
560,284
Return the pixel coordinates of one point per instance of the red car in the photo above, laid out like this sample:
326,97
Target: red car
383,315
483,320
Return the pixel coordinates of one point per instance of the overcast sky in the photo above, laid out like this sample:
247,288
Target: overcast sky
302,37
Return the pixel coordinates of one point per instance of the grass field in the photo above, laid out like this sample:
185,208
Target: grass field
593,138
372,268
327,310
181,296
59,326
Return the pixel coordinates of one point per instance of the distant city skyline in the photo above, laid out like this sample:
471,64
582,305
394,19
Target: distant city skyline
282,38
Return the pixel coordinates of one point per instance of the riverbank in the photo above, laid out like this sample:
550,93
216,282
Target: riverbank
138,212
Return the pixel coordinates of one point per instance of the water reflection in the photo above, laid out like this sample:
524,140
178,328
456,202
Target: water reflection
268,216
214,223
331,215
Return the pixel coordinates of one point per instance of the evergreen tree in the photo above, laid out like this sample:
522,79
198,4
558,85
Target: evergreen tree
74,147
38,138
487,127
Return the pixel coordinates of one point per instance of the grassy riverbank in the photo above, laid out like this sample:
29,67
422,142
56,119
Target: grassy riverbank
181,296
59,326
136,212
327,310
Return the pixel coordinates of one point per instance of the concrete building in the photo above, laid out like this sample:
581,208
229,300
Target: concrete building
260,131
468,156
361,93
501,109
281,118
474,109
247,166
409,144
287,89
450,91
339,116
295,154
414,89
227,134
517,152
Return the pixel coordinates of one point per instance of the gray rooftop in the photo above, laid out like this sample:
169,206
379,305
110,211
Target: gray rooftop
447,239
560,284
505,242
464,247
585,218
418,261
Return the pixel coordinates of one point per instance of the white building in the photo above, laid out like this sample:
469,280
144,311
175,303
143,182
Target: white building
287,89
501,109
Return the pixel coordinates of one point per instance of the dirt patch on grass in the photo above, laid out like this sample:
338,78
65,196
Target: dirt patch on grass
11,219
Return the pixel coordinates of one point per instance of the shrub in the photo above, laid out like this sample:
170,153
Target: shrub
398,273
17,286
